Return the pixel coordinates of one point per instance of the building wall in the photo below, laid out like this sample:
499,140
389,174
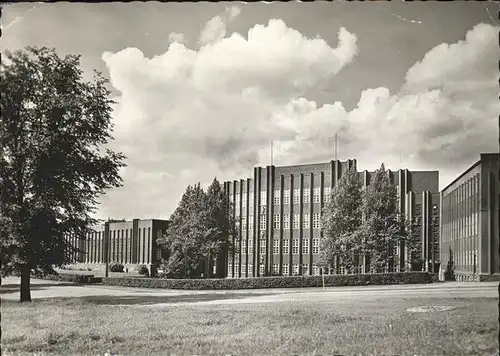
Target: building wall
278,214
469,233
130,242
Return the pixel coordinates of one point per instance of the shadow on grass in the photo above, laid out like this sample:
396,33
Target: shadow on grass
143,300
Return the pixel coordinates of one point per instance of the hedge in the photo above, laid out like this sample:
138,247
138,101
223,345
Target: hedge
70,277
273,282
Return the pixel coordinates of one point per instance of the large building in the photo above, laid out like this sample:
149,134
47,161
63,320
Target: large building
470,221
278,210
130,242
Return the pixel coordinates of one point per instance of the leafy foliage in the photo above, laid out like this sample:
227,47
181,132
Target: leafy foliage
341,221
54,163
143,270
116,267
198,233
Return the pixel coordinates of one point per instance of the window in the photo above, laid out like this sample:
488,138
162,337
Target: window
263,197
305,270
316,195
286,196
262,222
250,201
305,221
250,222
286,221
305,246
326,194
236,269
243,223
276,221
262,269
295,269
276,246
315,246
262,247
243,270
250,270
230,269
276,268
342,270
237,201
244,200
285,269
315,270
276,197
295,246
243,246
307,196
250,246
316,220
296,196
285,247
296,221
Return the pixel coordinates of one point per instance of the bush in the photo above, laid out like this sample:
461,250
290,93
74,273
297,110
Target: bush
68,277
116,267
273,282
143,269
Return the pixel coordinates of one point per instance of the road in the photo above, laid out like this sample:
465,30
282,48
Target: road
44,290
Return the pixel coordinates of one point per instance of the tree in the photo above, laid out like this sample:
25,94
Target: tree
384,227
53,161
341,221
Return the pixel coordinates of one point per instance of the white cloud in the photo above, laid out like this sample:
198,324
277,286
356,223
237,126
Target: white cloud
176,37
194,114
188,115
215,28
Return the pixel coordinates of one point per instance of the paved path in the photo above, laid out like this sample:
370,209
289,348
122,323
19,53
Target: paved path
43,290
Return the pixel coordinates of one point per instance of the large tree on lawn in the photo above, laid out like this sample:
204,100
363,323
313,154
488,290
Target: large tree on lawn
340,223
54,163
384,228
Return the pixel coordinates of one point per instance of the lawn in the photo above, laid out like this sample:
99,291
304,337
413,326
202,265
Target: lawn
369,327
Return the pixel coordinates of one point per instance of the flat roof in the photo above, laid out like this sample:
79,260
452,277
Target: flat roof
462,174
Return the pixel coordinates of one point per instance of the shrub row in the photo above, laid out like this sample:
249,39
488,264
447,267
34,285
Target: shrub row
273,282
70,277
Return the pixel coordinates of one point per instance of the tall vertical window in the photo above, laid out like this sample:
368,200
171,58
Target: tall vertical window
284,270
316,220
230,269
295,269
305,270
250,270
263,197
262,247
250,201
243,270
315,270
306,195
305,246
250,222
326,194
276,221
296,196
244,200
262,222
276,246
276,197
315,246
286,196
305,221
243,223
285,247
295,246
237,201
296,221
262,269
250,247
276,268
316,195
286,221
243,246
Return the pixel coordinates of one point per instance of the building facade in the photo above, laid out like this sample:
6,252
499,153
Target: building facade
130,242
470,221
278,216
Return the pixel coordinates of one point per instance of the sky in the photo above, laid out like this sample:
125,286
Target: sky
201,89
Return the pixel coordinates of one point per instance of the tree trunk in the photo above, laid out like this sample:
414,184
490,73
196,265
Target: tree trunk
25,284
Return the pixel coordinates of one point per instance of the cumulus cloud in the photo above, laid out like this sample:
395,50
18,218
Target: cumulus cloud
176,37
187,115
215,29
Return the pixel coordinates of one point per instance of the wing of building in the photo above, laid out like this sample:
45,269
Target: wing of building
470,229
278,216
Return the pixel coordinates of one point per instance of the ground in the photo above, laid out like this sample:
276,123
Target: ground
66,319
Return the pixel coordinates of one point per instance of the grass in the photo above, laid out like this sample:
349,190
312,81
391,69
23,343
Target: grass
369,327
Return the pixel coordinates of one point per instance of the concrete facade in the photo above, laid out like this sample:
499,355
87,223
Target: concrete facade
278,214
130,242
470,215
